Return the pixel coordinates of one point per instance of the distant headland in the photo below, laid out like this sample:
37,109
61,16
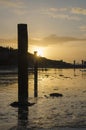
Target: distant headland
9,58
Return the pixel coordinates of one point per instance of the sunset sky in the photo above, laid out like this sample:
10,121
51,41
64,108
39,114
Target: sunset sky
55,27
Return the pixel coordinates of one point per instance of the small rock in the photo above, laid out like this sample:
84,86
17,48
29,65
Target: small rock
18,104
46,96
56,95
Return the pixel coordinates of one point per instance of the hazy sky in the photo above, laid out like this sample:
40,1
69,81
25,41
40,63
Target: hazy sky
56,27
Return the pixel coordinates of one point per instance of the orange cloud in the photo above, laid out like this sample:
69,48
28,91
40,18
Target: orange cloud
53,40
78,10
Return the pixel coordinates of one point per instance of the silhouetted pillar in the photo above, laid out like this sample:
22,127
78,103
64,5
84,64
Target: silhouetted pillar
35,75
82,64
74,62
22,64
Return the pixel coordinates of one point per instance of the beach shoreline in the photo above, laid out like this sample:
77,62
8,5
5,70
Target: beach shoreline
66,112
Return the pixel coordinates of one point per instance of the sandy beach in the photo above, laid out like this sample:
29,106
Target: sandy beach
60,113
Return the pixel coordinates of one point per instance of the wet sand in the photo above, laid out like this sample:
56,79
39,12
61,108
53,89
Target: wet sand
67,112
21,128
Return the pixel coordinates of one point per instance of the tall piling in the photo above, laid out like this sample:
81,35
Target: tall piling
22,64
35,74
74,63
82,64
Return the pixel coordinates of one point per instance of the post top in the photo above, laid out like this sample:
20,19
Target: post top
22,25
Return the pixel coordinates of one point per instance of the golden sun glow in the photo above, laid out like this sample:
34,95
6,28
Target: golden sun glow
39,51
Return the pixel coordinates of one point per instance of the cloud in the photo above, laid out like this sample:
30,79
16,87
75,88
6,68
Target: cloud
83,28
64,16
35,41
7,41
57,9
18,7
60,13
46,41
13,4
54,40
61,39
78,10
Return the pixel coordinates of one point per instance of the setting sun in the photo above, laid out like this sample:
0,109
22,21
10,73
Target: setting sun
40,50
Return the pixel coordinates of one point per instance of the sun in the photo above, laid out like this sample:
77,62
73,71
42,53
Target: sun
39,50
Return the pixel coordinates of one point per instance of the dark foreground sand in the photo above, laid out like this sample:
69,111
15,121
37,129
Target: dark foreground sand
13,127
67,112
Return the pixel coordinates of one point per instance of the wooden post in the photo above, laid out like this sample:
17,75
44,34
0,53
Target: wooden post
22,64
82,64
74,62
35,75
22,68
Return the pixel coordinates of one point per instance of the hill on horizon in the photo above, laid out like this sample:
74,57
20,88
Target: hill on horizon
9,57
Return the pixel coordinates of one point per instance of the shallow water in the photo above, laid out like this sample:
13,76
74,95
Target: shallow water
66,111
